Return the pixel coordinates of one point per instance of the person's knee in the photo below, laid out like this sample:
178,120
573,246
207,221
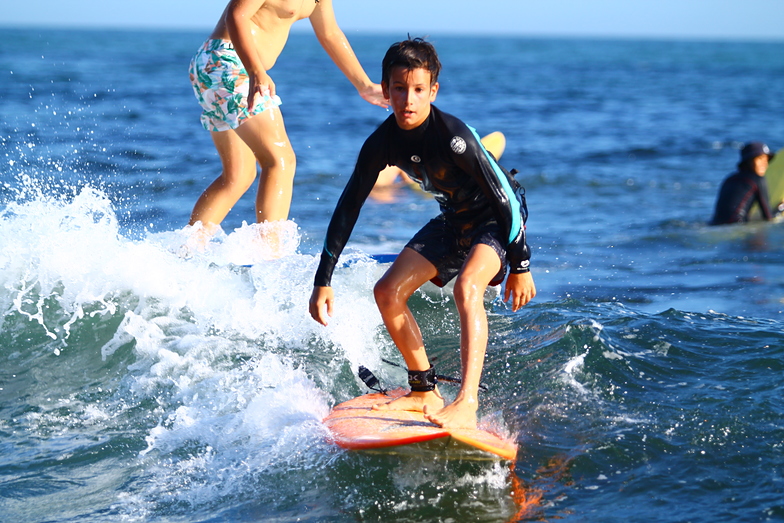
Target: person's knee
286,159
238,176
282,159
386,295
238,186
467,291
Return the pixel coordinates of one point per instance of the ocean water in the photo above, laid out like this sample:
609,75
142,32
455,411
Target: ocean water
643,383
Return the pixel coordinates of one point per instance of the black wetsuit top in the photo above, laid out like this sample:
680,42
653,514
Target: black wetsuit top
738,193
446,158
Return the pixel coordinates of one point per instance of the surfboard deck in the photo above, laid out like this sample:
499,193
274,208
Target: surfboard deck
354,425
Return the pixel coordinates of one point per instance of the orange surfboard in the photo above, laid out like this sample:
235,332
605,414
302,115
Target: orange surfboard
354,425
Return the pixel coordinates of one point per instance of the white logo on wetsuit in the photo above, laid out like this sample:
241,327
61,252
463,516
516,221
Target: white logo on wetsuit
458,145
416,159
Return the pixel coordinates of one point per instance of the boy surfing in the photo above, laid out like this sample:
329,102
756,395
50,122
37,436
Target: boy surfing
240,102
481,230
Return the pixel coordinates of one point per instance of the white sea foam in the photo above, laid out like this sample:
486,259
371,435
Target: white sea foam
221,350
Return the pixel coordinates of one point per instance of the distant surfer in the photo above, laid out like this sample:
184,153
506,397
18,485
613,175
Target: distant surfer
481,230
746,186
241,105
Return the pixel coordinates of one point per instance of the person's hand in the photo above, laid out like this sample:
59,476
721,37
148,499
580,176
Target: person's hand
320,299
521,288
260,84
372,93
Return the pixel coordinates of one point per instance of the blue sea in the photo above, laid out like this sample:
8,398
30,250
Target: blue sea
643,383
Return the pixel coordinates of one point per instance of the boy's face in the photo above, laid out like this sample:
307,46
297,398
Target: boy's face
410,94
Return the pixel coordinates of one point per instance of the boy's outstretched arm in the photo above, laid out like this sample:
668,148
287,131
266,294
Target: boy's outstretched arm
521,288
335,43
321,301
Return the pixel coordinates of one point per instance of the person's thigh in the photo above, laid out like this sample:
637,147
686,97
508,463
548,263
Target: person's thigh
480,268
237,159
408,272
266,136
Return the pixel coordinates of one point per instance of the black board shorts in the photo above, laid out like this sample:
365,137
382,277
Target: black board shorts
447,248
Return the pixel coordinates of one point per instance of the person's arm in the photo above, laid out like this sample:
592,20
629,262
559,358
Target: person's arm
369,164
335,43
240,28
347,210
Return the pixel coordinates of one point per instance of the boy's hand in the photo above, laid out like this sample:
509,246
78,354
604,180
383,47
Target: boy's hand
522,289
320,297
259,85
374,95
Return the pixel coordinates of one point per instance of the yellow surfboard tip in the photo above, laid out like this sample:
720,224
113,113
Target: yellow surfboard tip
495,142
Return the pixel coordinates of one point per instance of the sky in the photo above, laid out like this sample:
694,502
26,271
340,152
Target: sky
669,19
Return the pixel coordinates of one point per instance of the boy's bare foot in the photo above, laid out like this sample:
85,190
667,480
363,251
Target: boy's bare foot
416,401
277,239
198,239
460,414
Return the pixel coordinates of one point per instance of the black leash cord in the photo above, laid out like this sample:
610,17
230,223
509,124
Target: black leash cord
370,380
439,377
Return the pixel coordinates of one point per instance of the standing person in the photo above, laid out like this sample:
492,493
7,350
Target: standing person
240,101
747,185
480,229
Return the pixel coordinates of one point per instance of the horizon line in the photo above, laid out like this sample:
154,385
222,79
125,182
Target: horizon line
450,33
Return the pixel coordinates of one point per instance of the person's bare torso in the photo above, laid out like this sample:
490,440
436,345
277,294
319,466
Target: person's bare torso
271,26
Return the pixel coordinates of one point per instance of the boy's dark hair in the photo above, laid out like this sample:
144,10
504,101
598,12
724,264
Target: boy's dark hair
414,53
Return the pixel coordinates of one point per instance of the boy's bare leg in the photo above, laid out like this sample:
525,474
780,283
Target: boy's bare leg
239,171
409,272
266,136
478,270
